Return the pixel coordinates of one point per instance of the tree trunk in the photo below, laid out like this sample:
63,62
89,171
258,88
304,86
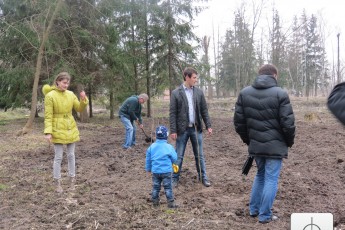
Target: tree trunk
147,64
215,56
89,93
111,103
170,52
84,117
28,125
206,45
134,53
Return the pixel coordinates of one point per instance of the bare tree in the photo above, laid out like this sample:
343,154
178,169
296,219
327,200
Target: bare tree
28,125
216,56
205,47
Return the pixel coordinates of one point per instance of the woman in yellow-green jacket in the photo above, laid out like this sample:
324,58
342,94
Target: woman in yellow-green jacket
60,128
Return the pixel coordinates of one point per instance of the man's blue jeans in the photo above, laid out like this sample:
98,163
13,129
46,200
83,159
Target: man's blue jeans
265,187
157,179
181,143
130,132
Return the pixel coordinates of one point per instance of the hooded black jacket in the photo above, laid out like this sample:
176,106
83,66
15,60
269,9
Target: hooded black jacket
336,102
264,118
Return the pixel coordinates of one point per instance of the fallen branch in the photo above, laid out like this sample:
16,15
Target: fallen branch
188,223
96,224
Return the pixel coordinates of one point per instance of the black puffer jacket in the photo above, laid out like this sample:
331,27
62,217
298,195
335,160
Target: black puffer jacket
264,118
179,112
336,102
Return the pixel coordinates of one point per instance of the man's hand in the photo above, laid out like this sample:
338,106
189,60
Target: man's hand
209,131
140,125
173,136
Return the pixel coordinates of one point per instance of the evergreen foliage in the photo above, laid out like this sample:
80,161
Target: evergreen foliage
117,48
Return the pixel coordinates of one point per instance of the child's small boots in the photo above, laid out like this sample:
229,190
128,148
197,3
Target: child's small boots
172,204
155,203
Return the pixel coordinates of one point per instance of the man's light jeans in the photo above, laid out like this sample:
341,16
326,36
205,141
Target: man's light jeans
130,132
265,187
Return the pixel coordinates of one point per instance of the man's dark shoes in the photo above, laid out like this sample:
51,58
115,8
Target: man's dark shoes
206,183
172,204
273,218
155,203
254,215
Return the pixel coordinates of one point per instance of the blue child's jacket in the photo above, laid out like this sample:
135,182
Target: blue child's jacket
160,156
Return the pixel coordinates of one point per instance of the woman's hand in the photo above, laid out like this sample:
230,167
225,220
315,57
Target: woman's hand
48,137
82,95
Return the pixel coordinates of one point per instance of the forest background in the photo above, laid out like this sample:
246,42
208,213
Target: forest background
117,48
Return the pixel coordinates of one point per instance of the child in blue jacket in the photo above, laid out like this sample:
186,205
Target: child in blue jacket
159,159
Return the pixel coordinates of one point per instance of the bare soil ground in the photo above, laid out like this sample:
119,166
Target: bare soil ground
113,190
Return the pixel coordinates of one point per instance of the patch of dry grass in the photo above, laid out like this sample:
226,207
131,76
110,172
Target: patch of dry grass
13,121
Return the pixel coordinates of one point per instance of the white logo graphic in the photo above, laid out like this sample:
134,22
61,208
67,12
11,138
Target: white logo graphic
312,221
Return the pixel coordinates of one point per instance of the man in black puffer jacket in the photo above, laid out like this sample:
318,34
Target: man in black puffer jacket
265,121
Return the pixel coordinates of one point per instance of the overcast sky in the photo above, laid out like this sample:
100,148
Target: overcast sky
221,14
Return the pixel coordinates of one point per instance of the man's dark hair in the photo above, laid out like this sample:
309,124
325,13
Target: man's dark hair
189,72
268,69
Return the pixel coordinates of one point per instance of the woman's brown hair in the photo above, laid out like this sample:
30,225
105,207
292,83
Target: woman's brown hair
62,76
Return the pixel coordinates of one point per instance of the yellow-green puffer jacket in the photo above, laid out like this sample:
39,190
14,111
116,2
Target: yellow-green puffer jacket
58,119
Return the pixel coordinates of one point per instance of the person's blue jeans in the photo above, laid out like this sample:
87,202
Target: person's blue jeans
265,187
181,143
157,180
130,132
